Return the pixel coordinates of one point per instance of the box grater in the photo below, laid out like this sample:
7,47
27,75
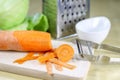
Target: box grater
64,14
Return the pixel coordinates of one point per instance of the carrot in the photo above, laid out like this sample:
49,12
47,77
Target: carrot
41,54
64,52
58,67
25,40
29,56
56,61
49,68
46,57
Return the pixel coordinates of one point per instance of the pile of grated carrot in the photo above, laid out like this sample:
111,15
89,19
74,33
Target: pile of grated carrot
57,57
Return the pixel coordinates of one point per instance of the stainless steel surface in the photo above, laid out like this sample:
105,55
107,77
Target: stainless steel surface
94,45
83,56
64,14
103,46
91,57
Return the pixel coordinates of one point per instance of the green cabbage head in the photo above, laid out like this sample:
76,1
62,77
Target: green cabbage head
12,12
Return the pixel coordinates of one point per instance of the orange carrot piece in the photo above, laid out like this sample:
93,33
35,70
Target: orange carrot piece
64,52
56,61
25,40
41,54
8,41
58,67
33,40
46,57
49,68
29,56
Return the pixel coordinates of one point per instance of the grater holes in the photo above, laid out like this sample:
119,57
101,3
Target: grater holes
62,30
67,14
72,14
79,5
65,7
65,22
67,0
70,21
62,0
75,20
62,16
81,12
83,5
83,18
79,19
77,13
69,7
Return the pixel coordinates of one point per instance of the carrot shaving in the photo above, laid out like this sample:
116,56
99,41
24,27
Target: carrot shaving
58,56
58,67
64,52
56,61
29,56
46,57
49,68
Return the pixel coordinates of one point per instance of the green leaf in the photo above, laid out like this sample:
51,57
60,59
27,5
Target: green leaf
38,22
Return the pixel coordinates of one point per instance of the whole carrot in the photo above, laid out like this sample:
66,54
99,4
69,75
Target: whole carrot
25,40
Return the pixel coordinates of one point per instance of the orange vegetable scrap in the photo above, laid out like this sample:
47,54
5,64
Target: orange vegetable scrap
56,61
64,52
29,56
46,57
49,68
55,56
58,67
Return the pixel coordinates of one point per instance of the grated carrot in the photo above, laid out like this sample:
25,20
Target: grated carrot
29,56
49,68
56,61
58,67
46,57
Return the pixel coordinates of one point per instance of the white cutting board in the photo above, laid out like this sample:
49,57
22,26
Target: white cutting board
35,69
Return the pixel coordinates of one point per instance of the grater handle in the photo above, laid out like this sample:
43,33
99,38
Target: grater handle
69,38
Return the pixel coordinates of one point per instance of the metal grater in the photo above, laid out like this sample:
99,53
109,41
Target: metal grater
64,14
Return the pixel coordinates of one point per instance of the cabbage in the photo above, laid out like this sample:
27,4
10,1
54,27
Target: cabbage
23,26
37,22
12,12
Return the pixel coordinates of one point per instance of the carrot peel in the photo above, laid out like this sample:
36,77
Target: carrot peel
49,68
56,61
29,56
46,57
64,52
